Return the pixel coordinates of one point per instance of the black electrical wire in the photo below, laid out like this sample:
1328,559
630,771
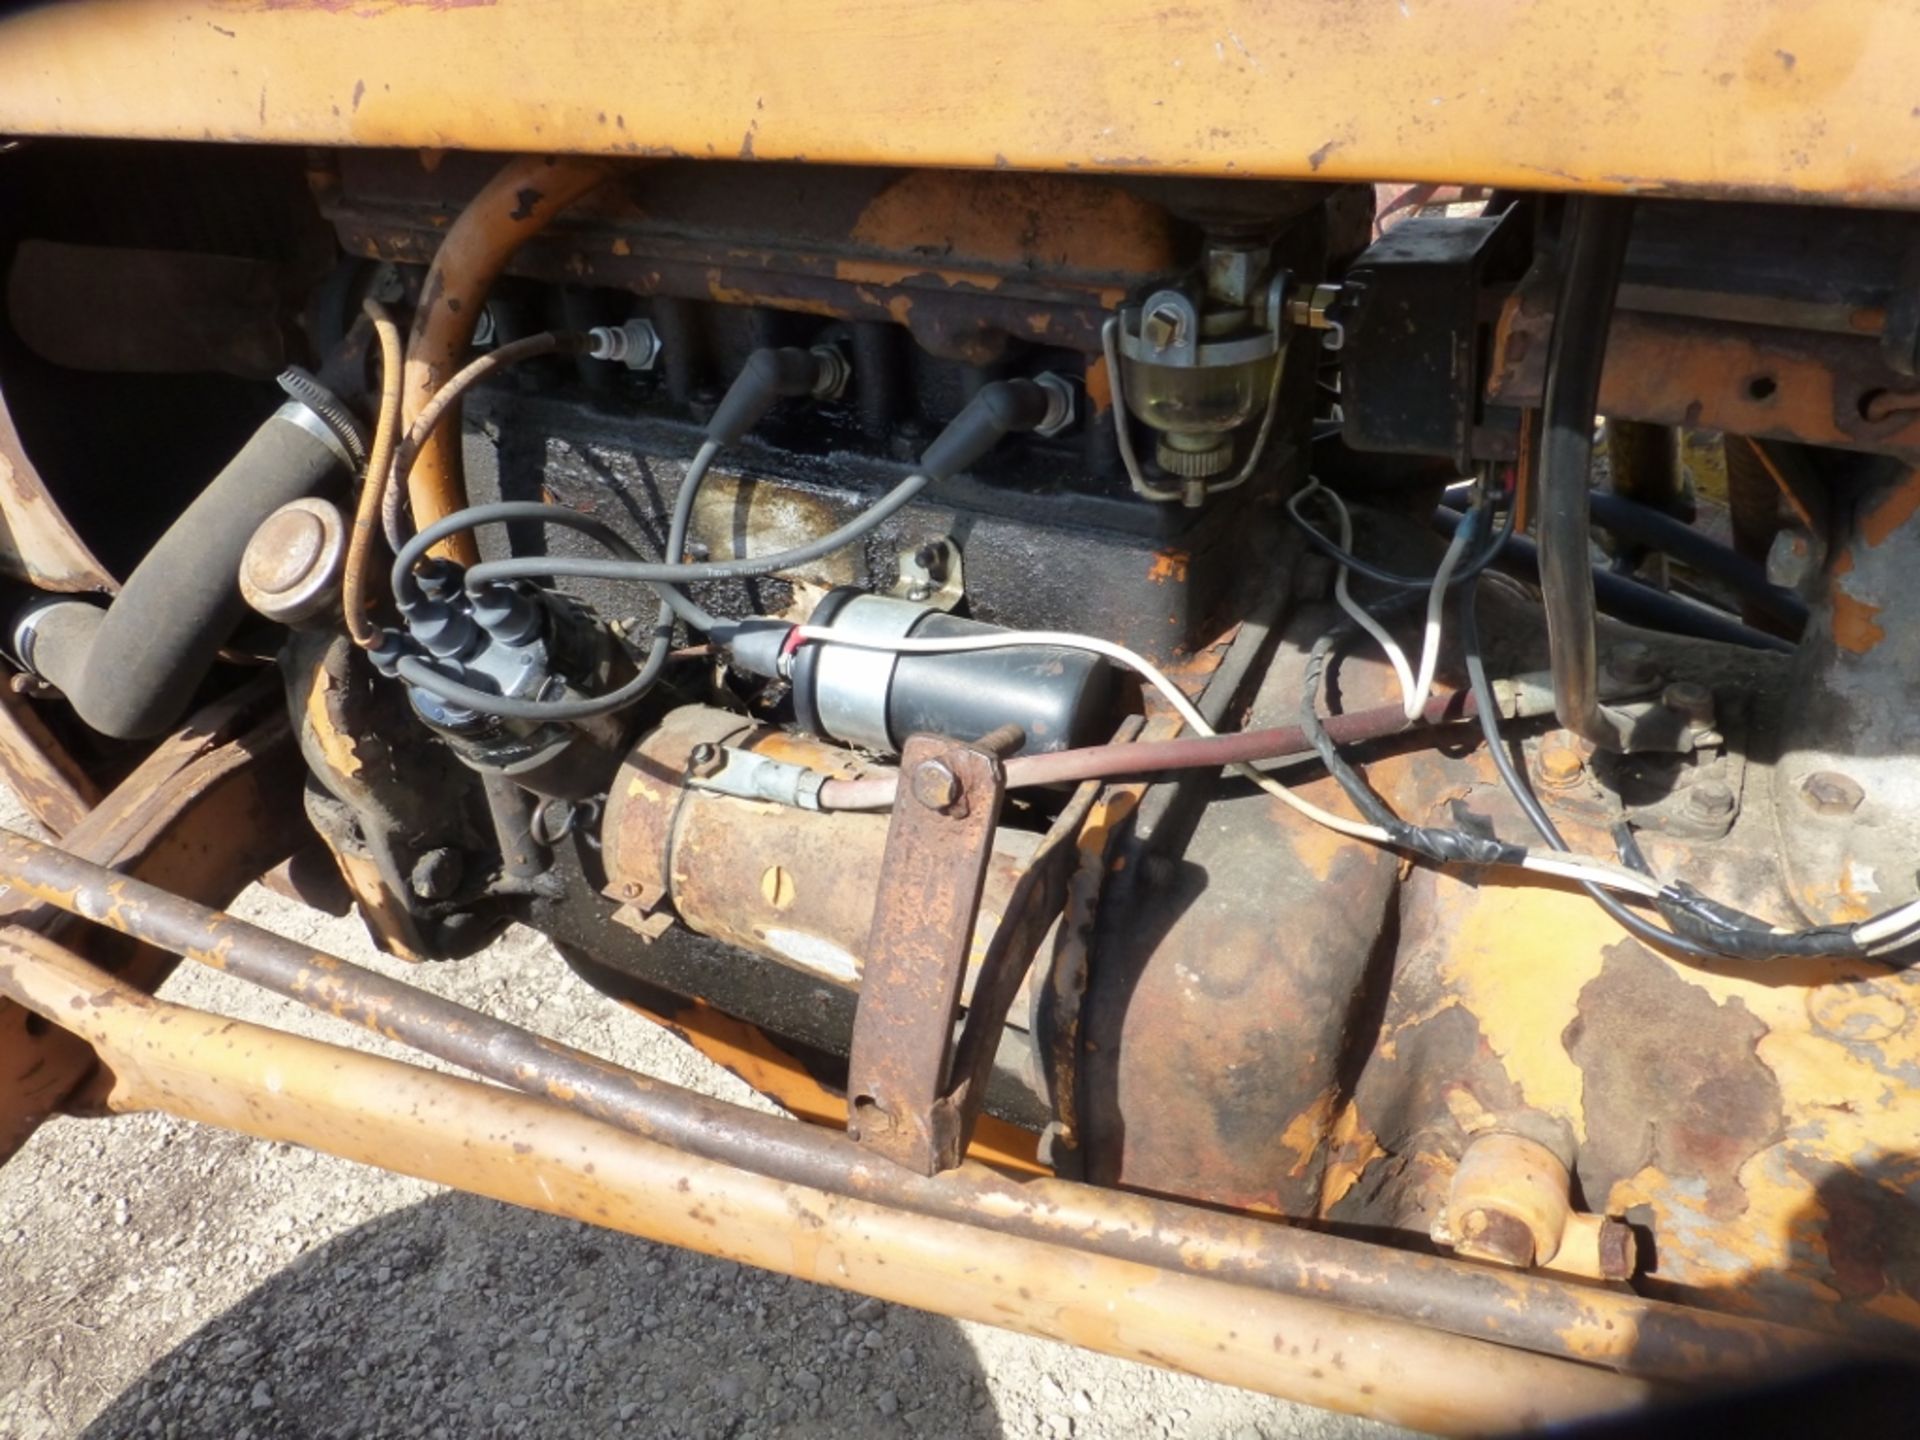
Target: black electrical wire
1487,707
1715,932
407,591
1380,575
416,670
644,572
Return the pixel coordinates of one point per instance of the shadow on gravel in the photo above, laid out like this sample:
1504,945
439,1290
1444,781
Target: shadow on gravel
462,1318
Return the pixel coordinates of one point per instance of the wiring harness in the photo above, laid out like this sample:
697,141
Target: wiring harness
1697,928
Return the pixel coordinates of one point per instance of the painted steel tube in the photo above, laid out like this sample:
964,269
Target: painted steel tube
1527,1311
1150,757
532,1153
516,204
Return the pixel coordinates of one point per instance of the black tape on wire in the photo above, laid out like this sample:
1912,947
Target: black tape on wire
1747,937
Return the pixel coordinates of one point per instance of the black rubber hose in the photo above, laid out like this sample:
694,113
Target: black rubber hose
1597,228
1633,601
131,670
1642,525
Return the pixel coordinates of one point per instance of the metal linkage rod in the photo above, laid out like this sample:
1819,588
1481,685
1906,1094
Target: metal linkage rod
1550,1317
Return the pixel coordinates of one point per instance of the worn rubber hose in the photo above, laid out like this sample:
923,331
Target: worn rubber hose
131,670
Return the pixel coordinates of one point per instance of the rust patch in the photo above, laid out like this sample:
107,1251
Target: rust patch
1898,507
1168,567
1042,222
1671,1079
1855,626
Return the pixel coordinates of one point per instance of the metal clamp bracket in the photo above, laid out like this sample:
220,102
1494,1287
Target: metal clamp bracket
935,868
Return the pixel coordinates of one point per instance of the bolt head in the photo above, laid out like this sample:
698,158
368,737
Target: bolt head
1631,663
1560,763
1711,800
1686,697
705,759
437,874
935,785
1828,792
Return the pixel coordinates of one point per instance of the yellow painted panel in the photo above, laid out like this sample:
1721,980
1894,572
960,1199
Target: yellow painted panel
1808,98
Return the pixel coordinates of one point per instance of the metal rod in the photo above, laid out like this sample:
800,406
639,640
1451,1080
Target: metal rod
532,1153
1595,245
1546,1316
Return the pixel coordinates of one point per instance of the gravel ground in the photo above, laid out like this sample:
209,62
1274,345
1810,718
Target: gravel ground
160,1278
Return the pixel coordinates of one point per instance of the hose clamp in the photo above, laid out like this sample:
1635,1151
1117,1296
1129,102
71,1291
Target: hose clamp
324,415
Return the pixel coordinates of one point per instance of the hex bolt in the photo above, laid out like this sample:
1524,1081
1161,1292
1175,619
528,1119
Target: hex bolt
1631,663
1559,761
706,760
1619,1250
935,785
1828,792
1688,698
1710,800
437,874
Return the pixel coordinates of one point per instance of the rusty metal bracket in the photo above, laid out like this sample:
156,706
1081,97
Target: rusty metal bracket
936,864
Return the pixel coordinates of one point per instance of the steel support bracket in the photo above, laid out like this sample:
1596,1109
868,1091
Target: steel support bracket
935,867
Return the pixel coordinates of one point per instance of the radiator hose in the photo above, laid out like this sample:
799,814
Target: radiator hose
131,670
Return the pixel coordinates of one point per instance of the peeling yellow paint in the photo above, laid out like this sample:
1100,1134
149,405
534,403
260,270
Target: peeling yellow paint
1518,960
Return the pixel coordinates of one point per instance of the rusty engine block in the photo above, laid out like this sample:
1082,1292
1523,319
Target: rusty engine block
918,633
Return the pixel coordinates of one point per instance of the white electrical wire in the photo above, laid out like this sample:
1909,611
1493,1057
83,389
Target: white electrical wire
1416,683
1355,611
1892,927
1416,698
1570,867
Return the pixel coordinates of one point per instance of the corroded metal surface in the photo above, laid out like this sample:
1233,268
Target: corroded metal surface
962,261
38,768
1225,993
1846,786
532,1153
1729,1114
930,883
1777,384
793,885
38,543
204,814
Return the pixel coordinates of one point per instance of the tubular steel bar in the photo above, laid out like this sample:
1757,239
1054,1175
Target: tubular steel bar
1768,99
1613,1328
516,204
534,1153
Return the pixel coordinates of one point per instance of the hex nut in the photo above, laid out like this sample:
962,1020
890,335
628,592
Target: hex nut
1631,663
1691,699
935,785
1711,800
1560,763
1828,792
437,874
1790,559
